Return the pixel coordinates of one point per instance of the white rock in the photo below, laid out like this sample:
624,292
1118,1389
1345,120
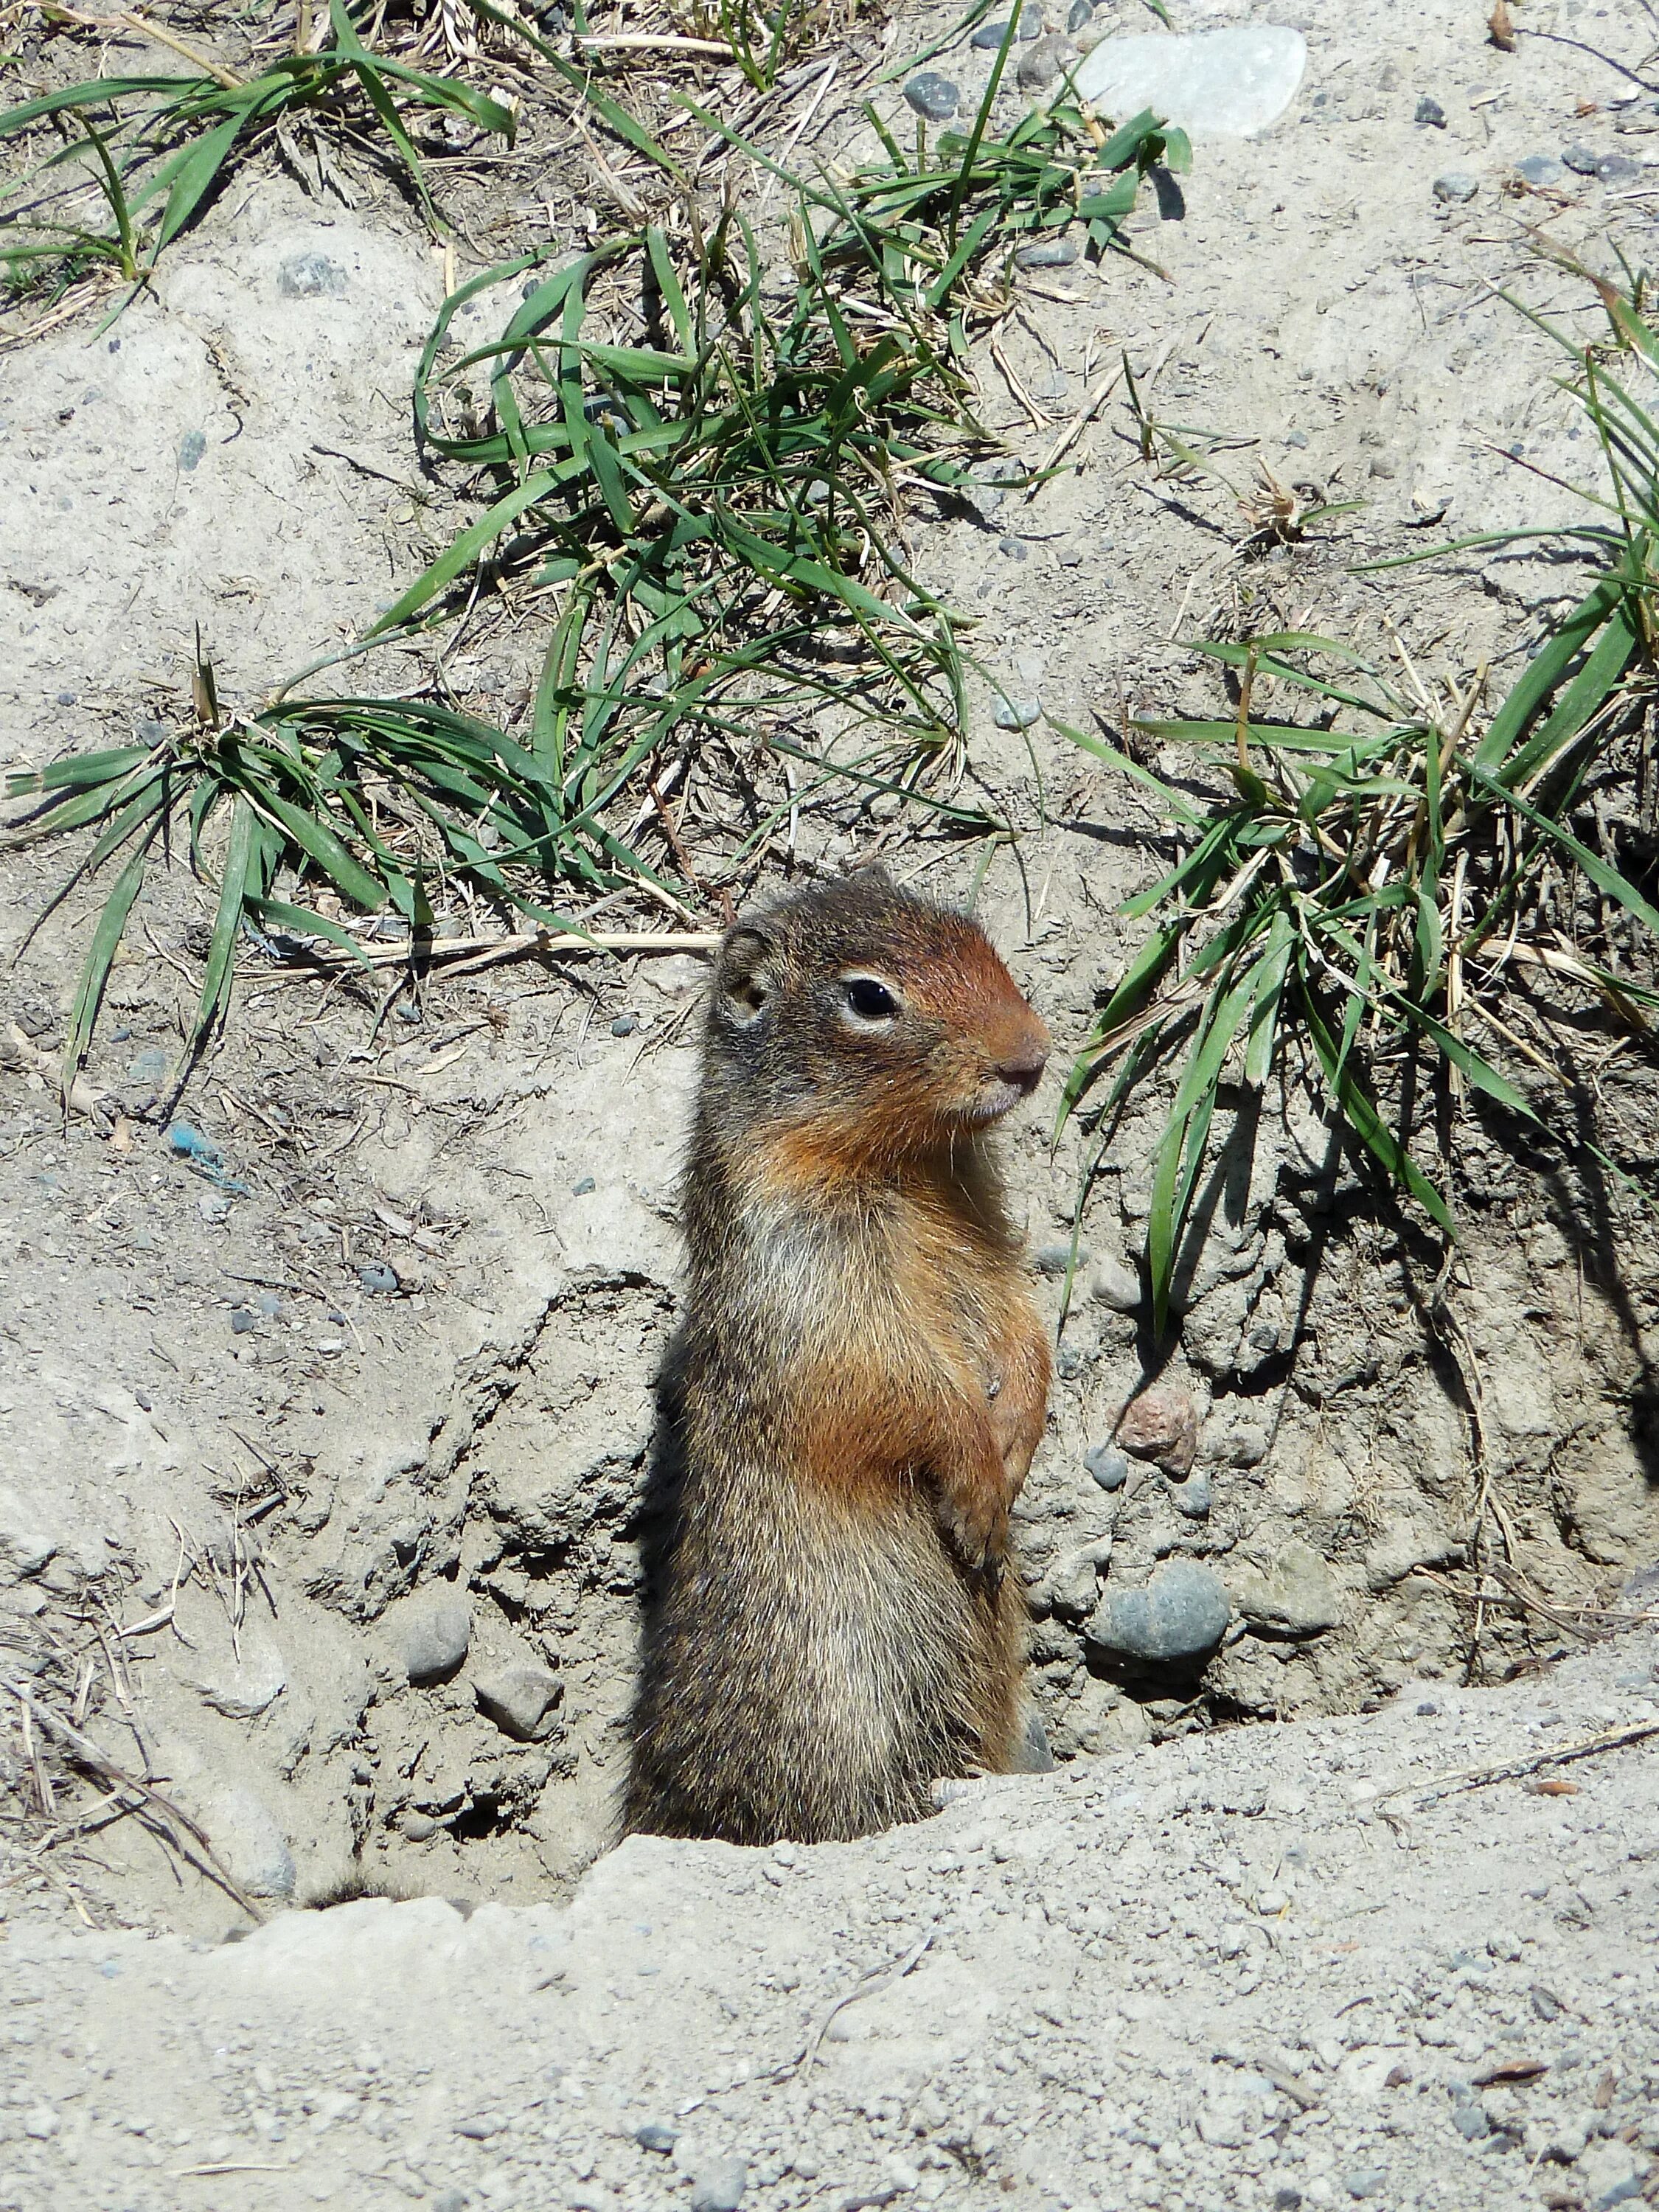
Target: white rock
1230,84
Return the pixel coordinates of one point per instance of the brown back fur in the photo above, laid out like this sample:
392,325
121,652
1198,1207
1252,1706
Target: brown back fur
853,1400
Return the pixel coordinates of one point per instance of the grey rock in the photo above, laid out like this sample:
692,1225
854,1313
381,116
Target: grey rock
1045,61
1365,2181
245,1833
1470,2121
655,2135
1456,186
1584,160
1052,252
240,1321
989,36
244,1685
1115,1286
584,1188
1032,1753
1540,169
625,1024
1012,548
718,2184
269,1304
521,1699
433,1636
1192,1497
1406,1545
1181,1616
1053,1259
1432,113
1080,12
192,447
1620,169
379,1280
1297,1597
1232,83
40,2123
1611,2173
1017,714
26,1543
1108,1465
311,277
933,97
148,1066
449,2200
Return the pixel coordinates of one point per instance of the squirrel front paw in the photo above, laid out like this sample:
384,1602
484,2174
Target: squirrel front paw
976,1531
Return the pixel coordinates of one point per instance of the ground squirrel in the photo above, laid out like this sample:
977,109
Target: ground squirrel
853,1400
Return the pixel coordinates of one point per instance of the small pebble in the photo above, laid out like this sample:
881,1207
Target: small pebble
1432,113
520,1699
624,1026
1115,1286
240,1321
1455,187
1017,714
1108,1465
1081,11
1192,1497
1043,64
1013,548
192,447
436,1633
1057,252
151,1066
309,276
1054,1259
269,1304
1620,169
1179,1618
1470,2123
653,2134
67,698
40,2122
417,1827
1540,169
449,2200
1297,438
1365,2181
990,35
379,1280
933,97
584,1188
1070,558
1583,160
718,2185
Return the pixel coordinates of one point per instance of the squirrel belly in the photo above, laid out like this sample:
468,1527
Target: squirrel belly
833,1623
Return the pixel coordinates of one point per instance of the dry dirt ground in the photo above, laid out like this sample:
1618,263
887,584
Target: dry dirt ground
309,1478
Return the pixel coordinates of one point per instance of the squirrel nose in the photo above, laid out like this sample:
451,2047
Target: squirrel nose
1023,1067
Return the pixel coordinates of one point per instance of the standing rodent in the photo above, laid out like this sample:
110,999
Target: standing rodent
851,1402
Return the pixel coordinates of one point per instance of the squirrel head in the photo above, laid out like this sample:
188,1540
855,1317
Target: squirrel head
876,1022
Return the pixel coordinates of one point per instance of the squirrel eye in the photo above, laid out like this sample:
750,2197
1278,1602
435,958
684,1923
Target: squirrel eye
870,1000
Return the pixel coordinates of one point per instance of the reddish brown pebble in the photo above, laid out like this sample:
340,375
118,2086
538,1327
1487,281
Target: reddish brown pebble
1161,1425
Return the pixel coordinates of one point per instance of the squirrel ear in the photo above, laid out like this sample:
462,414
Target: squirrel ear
745,973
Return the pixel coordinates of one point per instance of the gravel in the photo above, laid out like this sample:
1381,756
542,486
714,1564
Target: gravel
1210,1974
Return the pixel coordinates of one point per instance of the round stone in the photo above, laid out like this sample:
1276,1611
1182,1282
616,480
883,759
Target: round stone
1108,1465
1056,252
1455,188
1540,169
435,1634
1017,714
1179,1618
933,97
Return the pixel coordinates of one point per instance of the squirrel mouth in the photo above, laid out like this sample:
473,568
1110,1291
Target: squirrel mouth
992,1101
